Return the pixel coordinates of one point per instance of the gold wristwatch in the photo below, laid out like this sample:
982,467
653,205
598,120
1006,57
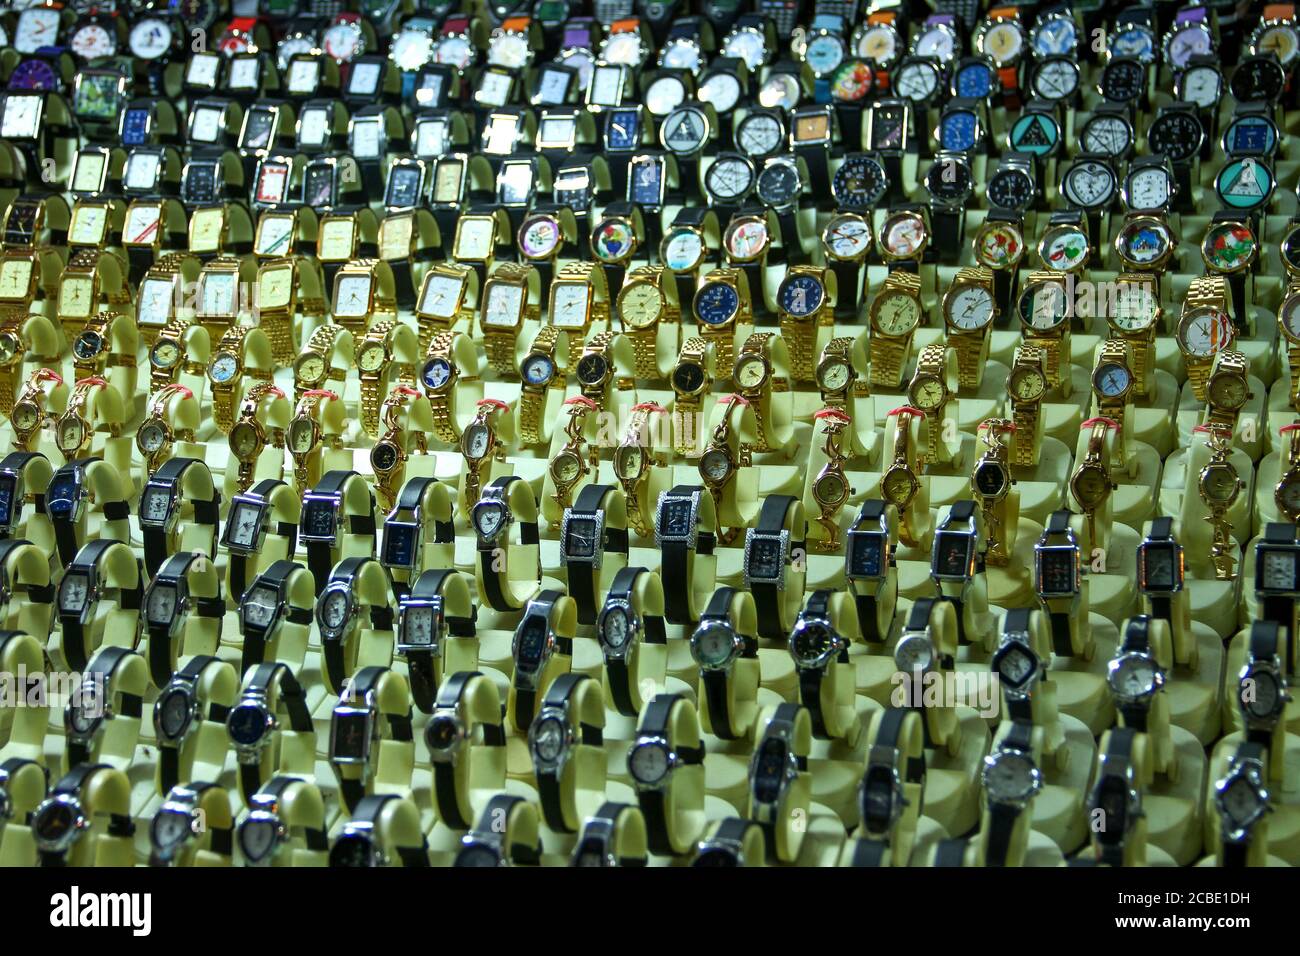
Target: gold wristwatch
721,303
1112,383
510,297
1026,386
830,489
104,342
220,291
895,313
90,281
757,377
633,459
304,438
719,465
363,289
899,483
388,457
162,290
1228,389
248,437
805,302
28,276
479,443
835,374
991,482
1045,310
594,368
1135,318
374,368
929,391
448,294
316,365
155,436
1219,485
579,297
168,356
28,415
439,377
1286,494
1091,484
1204,329
73,430
540,370
285,287
576,459
648,309
225,369
12,349
1288,323
968,314
690,382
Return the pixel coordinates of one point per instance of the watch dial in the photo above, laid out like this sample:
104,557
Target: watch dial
1088,184
729,179
999,245
759,134
800,296
648,763
1149,188
676,518
904,236
1016,665
1229,247
257,837
1145,241
847,238
851,82
646,183
1035,133
765,557
1244,183
952,555
614,628
350,734
958,130
866,555
247,724
531,642
974,81
713,644
860,181
1202,85
1123,80
1257,79
917,81
418,621
1251,136
173,711
259,606
1278,571
1044,306
722,90
1177,135
1058,570
1011,188
1109,135
688,378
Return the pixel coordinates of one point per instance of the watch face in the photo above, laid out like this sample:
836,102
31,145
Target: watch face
958,130
504,303
640,305
914,653
1088,184
824,53
1010,777
682,250
896,313
1277,569
538,370
1011,188
800,296
217,295
1228,247
1058,572
244,523
1123,80
350,733
1016,665
155,504
97,96
867,555
970,308
1054,36
847,238
764,557
1136,307
851,82
448,180
645,182
272,183
318,185
259,126
259,606
333,609
557,132
1202,85
404,187
174,708
367,138
938,43
580,535
319,519
1148,188
715,465
779,91
949,179
74,592
1035,133
685,131
1176,134
613,241
729,179
92,41
606,87
713,644
999,245
1056,79
199,183
1191,40
973,81
313,126
515,184
778,184
1257,79
952,554
722,90
904,236
89,224
245,73
648,763
1044,306
205,124
475,238
22,115
1204,331
531,642
664,95
917,81
274,234
1250,136
1107,134
1244,183
759,134
1144,241
37,27
1064,248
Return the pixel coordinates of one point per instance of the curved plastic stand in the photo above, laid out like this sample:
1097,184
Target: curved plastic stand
30,565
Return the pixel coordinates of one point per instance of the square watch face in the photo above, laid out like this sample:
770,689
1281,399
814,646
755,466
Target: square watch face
304,76
580,539
431,137
403,189
202,70
350,731
272,183
96,96
200,182
143,221
764,557
245,73
553,87
557,132
417,623
494,88
259,128
515,184
1277,569
88,175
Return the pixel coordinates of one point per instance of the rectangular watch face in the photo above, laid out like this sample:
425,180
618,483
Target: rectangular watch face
501,134
866,554
1160,567
205,124
202,70
623,130
135,127
441,297
245,73
676,518
1057,572
606,86
1250,139
15,281
22,115
142,169
88,176
76,297
494,88
304,76
815,128
557,132
364,80
430,138
448,180
350,731
580,539
764,557
259,128
367,138
530,642
952,554
155,503
572,188
504,304
259,605
206,226
20,225
417,625
352,296
199,183
74,591
515,184
143,220
429,89
570,304
97,96
395,237
217,293
275,287
274,234
243,524
7,485
335,241
89,225
272,183
154,305
553,87
645,184
313,126
404,186
318,185
887,128
400,538
1276,571
474,237
319,519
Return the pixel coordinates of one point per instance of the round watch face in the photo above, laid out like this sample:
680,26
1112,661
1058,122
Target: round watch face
949,180
1193,39
664,95
1088,184
896,313
1107,134
916,81
1111,379
1176,134
224,368
1134,41
678,55
1144,241
1056,78
851,81
1219,483
540,237
682,249
548,739
1004,41
1244,183
1010,777
715,466
343,41
151,437
759,134
847,238
1011,188
860,181
722,90
1136,307
824,53
898,486
1027,383
1268,695
746,239
648,763
1228,247
811,643
927,394
937,42
800,296
904,236
712,645
778,184
688,378
436,374
1289,249
591,369
1090,486
538,370
747,45
969,308
1250,135
1123,80
1204,331
729,179
879,43
566,468
613,241
973,81
1228,391
913,653
1054,36
1257,79
834,376
244,440
999,245
1064,249
92,41
639,305
779,91
150,38
716,303
751,371
1043,306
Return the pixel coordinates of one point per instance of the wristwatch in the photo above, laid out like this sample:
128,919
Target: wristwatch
805,304
895,314
1160,567
615,835
382,825
173,485
1116,796
437,604
242,352
772,566
422,514
956,558
1058,583
1228,389
356,582
505,835
101,722
374,709
1134,675
1026,387
1091,483
466,740
189,700
511,295
1044,308
761,374
1262,684
685,532
1018,664
63,819
1011,779
724,634
248,523
74,489
891,791
562,738
281,594
279,807
506,584
1134,318
339,494
969,311
779,761
817,642
930,390
593,545
1242,800
545,631
665,764
1219,485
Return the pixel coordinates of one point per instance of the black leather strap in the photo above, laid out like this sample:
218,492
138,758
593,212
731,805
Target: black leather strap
873,509
673,565
950,853
582,575
869,853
